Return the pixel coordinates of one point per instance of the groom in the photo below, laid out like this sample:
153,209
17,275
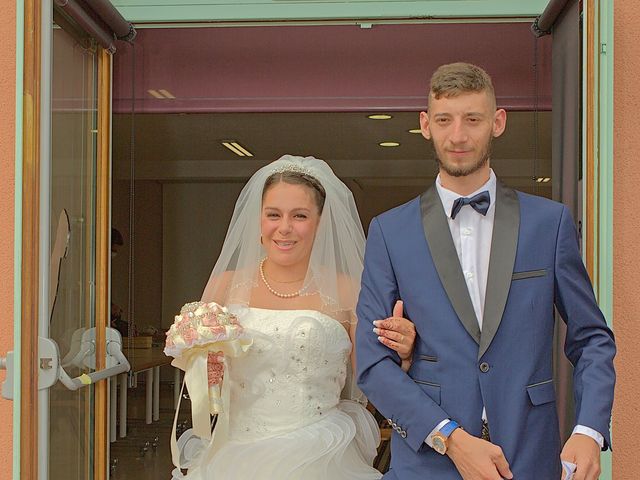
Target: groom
480,268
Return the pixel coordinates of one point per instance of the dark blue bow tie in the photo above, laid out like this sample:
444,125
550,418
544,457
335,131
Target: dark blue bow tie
480,203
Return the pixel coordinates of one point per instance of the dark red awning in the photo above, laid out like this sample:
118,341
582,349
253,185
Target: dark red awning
325,67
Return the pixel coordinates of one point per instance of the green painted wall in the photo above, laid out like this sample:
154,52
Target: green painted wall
603,168
273,10
604,50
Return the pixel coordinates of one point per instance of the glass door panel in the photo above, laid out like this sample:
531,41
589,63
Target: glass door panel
72,228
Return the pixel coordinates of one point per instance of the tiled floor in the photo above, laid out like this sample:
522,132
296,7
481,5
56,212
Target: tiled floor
145,454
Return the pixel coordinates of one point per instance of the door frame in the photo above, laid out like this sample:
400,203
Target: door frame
30,241
598,160
31,161
597,138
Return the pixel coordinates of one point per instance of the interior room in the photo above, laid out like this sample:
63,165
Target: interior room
198,109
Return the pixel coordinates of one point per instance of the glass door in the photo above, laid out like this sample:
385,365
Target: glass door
67,353
72,246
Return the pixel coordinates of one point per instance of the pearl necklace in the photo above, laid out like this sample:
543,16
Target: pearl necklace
272,290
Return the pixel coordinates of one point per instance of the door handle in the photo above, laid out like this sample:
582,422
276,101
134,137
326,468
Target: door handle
52,370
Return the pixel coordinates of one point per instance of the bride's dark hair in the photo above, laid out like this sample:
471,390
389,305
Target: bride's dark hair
297,178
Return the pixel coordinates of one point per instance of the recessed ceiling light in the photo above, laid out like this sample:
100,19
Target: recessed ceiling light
415,130
166,93
242,149
238,149
155,93
379,116
389,144
161,93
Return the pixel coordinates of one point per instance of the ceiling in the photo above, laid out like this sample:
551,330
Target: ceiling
188,147
307,90
312,68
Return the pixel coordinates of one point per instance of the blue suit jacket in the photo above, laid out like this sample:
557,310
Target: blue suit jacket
507,368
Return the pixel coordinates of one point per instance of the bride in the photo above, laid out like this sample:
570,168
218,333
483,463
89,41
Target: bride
290,270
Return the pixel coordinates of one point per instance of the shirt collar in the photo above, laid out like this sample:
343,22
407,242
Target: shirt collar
447,197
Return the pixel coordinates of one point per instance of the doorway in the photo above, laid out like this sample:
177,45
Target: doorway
267,91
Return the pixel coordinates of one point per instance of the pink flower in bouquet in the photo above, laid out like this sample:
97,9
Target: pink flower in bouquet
183,320
189,334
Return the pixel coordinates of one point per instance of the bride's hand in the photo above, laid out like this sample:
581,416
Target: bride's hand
397,333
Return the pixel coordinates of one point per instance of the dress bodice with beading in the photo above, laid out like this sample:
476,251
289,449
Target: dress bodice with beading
291,376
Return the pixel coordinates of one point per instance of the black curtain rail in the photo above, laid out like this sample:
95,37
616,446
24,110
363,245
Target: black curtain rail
100,20
544,23
112,17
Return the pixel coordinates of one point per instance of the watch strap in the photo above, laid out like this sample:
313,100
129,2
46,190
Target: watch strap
448,428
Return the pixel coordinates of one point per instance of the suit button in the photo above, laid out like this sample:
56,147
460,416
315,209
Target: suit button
484,367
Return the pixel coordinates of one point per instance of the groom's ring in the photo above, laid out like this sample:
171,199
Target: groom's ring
401,338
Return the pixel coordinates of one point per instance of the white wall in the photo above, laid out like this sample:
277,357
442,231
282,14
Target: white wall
195,220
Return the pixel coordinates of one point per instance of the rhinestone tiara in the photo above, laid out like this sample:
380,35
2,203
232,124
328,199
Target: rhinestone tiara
292,167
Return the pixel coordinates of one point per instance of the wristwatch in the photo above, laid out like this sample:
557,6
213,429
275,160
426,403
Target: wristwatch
441,437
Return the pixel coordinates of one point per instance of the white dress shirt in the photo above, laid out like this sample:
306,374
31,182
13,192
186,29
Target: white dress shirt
472,233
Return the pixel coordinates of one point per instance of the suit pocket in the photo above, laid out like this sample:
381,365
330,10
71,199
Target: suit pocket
428,358
542,392
529,274
431,389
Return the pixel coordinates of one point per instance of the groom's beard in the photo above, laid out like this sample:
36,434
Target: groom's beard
455,171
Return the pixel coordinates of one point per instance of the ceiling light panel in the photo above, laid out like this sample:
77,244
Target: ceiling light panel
238,149
161,94
155,93
166,93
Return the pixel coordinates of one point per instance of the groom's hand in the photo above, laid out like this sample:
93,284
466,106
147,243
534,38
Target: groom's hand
477,459
397,333
584,451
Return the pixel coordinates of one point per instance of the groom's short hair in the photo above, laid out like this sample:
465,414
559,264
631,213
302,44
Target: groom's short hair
457,78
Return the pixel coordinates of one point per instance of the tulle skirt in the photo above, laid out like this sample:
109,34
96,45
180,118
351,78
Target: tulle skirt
340,446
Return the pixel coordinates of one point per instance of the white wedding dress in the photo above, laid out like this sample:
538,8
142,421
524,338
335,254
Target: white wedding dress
286,419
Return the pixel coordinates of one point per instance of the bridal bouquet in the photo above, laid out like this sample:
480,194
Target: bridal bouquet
200,339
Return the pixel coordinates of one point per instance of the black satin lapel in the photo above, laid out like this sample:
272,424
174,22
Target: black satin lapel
445,258
504,243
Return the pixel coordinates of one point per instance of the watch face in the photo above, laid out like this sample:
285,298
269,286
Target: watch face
439,445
